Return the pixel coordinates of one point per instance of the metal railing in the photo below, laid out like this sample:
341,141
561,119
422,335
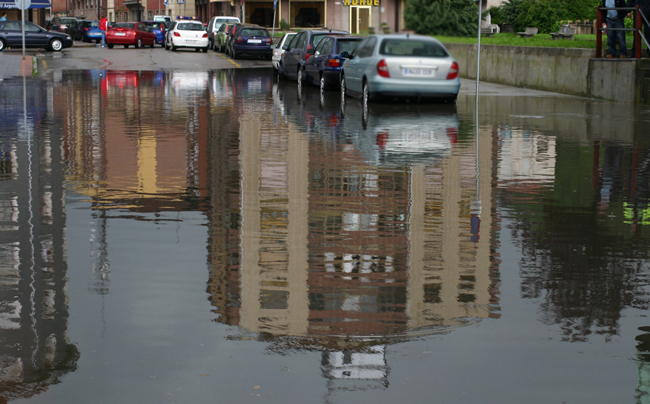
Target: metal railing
638,24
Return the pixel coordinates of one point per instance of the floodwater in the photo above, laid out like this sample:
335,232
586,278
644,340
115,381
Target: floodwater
218,237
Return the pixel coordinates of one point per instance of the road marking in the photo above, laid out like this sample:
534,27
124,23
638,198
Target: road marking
228,59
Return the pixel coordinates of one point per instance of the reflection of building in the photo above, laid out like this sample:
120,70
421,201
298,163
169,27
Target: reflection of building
330,245
351,370
34,347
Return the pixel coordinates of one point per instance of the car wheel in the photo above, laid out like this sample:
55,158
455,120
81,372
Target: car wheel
217,47
2,45
138,44
56,44
364,105
205,50
153,43
233,53
166,46
281,75
343,90
126,46
110,46
269,57
299,78
197,49
323,84
451,100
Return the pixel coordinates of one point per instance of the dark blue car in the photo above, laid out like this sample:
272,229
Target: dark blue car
323,68
158,28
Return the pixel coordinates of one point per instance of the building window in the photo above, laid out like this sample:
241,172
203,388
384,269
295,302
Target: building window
150,15
307,14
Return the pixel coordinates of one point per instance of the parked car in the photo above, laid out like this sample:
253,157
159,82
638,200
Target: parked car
250,40
88,31
35,37
213,27
187,34
299,49
231,35
158,28
129,33
277,49
323,68
67,25
163,18
221,38
400,65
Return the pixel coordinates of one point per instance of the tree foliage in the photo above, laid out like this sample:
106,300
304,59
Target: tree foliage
442,17
546,14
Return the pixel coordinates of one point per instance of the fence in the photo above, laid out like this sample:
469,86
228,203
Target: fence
638,24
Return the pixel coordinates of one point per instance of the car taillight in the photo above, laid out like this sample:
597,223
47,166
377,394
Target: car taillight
269,41
334,63
307,51
205,35
382,69
86,29
239,39
453,71
177,34
452,133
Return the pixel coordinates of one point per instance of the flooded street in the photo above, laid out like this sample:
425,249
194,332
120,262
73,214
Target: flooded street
222,237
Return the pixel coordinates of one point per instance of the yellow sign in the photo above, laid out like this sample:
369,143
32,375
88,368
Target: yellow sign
360,3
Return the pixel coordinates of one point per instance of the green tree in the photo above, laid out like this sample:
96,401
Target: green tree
442,17
542,14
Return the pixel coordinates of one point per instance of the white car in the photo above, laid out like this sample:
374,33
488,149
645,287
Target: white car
186,34
214,25
277,49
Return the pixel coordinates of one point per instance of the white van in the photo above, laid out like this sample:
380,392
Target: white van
162,18
214,25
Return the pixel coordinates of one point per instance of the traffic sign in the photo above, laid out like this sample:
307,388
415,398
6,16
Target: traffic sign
23,4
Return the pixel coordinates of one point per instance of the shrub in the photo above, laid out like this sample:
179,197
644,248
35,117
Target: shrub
496,15
284,26
442,17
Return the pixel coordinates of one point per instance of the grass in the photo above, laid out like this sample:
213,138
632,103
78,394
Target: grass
544,40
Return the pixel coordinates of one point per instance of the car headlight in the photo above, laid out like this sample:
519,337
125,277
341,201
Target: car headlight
68,37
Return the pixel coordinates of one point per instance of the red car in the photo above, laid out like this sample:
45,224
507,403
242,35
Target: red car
130,33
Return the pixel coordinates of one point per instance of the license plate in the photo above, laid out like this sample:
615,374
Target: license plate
254,41
418,136
418,72
120,34
190,41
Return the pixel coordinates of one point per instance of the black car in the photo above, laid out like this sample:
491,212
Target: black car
35,37
299,49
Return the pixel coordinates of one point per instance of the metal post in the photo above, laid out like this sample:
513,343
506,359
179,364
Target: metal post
478,57
599,33
22,12
637,37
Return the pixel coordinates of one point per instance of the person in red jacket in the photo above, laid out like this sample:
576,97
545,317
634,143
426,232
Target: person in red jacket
103,26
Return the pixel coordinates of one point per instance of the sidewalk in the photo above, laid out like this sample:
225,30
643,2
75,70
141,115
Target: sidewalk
13,65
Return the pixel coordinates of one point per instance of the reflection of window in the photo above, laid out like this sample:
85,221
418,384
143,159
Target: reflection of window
307,14
432,293
466,298
274,299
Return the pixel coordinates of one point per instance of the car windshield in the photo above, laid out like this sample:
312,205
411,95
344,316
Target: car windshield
254,32
188,26
67,20
155,25
347,45
411,47
122,25
93,24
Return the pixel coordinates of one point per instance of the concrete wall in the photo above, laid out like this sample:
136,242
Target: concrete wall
561,70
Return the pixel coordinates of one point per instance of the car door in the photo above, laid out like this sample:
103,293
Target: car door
318,61
12,34
355,67
34,37
291,57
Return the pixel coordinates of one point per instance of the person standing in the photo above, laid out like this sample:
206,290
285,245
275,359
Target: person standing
103,26
56,22
4,17
616,19
645,28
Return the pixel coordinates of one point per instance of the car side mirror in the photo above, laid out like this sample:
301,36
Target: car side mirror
311,51
316,53
285,47
345,54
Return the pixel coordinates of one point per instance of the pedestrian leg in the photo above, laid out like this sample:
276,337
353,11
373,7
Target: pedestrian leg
611,39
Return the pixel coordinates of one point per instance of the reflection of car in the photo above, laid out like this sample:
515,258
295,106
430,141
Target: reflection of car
308,17
299,49
400,65
158,28
323,68
221,38
214,25
35,36
251,41
129,33
187,34
88,31
277,49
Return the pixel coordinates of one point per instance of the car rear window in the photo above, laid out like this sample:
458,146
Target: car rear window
184,26
155,25
411,47
347,45
122,25
93,24
254,32
315,39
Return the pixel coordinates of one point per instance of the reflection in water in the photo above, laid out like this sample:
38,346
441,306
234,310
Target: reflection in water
327,232
34,348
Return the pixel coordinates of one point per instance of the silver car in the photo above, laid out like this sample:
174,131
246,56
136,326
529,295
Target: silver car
277,49
400,65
